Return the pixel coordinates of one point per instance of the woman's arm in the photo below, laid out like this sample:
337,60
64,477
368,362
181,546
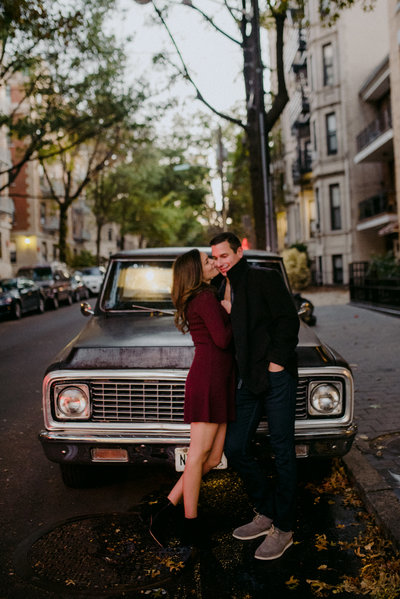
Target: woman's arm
209,309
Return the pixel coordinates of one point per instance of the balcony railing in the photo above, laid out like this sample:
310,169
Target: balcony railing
380,203
301,166
51,224
81,236
375,129
6,205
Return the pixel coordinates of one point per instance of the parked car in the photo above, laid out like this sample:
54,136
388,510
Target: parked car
20,295
54,280
93,278
79,290
116,393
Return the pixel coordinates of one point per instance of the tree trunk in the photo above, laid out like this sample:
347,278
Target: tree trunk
259,124
98,241
62,232
253,77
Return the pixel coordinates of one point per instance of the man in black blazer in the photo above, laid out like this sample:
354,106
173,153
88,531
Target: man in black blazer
265,331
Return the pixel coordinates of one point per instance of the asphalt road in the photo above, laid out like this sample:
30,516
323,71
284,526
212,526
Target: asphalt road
33,499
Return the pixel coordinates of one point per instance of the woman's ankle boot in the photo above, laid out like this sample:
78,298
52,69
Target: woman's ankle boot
161,521
194,533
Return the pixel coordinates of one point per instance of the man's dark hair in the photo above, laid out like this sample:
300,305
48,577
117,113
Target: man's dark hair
233,241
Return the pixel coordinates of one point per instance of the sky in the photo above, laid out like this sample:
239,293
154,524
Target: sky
214,62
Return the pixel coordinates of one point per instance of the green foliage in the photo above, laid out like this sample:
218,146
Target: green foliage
297,268
72,78
384,267
157,196
84,258
239,191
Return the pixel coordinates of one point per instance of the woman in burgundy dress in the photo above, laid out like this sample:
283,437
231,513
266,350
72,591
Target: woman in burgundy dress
210,384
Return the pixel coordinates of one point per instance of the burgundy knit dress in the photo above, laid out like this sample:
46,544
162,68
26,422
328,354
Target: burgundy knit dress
210,384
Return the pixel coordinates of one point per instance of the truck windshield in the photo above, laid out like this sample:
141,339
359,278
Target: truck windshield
135,284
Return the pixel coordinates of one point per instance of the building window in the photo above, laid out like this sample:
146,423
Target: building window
54,252
318,210
13,253
334,204
44,251
110,234
331,133
327,61
337,267
314,132
319,275
42,213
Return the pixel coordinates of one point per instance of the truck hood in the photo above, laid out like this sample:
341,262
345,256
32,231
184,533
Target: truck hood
144,341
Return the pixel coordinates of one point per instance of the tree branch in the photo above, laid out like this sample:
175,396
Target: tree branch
210,20
282,97
187,75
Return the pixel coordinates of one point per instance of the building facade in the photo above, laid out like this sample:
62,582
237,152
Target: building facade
32,235
340,175
6,203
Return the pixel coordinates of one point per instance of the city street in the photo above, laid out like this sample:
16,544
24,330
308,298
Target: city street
35,502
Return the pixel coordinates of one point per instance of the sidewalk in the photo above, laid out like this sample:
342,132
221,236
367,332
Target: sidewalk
369,341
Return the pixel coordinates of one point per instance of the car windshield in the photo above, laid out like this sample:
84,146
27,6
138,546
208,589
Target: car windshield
135,284
39,273
95,271
7,285
138,284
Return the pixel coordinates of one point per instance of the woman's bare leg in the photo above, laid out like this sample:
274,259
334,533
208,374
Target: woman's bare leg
206,447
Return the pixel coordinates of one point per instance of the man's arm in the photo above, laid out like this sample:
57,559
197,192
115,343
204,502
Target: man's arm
285,321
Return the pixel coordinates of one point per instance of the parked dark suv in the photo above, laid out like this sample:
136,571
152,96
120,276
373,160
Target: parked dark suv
115,393
54,280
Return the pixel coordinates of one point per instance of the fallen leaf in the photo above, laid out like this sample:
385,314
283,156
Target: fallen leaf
292,583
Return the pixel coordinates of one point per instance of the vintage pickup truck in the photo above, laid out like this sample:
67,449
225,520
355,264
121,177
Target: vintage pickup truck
115,393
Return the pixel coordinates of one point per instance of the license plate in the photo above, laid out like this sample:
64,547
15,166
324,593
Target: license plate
181,455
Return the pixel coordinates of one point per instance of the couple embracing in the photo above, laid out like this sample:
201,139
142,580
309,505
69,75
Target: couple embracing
245,335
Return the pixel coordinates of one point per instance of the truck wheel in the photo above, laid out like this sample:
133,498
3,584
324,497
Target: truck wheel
77,476
55,303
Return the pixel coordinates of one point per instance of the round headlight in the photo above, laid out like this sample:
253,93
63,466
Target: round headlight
325,399
73,402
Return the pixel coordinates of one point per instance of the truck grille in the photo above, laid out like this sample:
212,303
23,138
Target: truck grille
143,400
138,400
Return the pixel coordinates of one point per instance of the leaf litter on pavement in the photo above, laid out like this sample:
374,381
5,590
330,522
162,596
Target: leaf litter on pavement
338,550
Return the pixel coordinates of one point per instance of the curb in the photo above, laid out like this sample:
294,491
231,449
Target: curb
376,493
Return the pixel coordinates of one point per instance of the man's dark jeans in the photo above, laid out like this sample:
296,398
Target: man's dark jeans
279,405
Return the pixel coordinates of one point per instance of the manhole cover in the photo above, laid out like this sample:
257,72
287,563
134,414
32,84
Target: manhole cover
100,554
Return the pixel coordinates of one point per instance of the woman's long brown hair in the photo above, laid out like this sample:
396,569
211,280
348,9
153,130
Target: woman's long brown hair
187,282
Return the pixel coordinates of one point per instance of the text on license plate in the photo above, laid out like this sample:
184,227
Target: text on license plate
180,459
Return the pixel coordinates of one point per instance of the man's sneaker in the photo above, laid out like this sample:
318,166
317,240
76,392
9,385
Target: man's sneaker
275,544
258,527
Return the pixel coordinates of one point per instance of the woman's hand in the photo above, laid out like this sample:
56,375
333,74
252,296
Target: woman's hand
227,305
275,367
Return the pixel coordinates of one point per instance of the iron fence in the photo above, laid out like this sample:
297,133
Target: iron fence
373,290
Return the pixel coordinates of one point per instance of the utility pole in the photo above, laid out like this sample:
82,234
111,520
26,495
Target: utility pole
221,156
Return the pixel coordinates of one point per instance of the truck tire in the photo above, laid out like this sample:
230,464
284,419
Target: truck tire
77,476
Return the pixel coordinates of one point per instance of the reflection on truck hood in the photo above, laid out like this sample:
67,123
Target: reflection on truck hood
144,341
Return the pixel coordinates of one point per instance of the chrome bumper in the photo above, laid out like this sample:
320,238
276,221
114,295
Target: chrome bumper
63,447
